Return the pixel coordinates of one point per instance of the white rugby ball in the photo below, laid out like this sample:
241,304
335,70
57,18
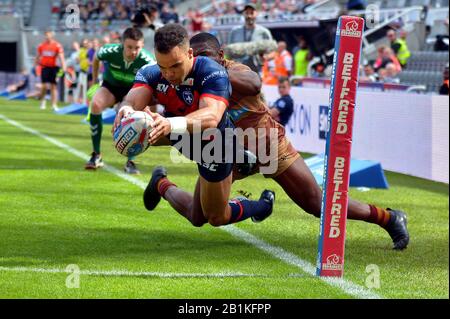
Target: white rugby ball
131,136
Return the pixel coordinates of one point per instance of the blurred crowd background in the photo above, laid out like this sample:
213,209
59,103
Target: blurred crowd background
406,48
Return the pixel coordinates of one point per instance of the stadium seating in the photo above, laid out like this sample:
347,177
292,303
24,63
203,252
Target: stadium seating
22,7
425,68
389,4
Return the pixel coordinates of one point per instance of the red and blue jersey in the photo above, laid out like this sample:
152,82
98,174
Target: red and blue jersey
206,79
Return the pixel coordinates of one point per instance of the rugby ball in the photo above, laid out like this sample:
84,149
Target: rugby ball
131,136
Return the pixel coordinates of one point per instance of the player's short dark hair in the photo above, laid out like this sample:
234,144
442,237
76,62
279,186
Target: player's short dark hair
170,36
207,38
133,34
283,79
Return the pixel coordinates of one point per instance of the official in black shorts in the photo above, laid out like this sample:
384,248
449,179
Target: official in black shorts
119,92
48,74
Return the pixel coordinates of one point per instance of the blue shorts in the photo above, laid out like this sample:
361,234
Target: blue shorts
221,166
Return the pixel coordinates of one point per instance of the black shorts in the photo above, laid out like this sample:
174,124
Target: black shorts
211,170
119,92
48,75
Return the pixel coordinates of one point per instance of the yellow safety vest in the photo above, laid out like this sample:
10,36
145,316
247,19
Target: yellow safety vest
403,53
301,62
84,60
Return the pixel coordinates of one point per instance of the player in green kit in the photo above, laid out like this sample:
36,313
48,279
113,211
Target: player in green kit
121,63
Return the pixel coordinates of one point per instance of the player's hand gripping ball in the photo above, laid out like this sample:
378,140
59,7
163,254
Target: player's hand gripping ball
131,136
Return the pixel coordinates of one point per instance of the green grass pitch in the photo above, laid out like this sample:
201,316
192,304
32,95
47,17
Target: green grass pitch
53,214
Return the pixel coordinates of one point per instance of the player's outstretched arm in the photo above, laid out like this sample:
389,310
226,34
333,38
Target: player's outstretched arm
208,115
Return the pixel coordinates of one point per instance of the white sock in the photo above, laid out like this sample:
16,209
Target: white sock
43,104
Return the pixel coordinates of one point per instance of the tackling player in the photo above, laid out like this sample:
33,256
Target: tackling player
193,90
293,175
121,63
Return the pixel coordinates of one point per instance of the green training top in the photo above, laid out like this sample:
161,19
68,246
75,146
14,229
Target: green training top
117,71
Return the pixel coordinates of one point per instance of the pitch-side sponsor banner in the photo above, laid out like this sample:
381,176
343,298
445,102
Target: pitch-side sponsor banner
407,133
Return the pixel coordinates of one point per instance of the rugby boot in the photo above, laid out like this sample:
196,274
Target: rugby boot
151,194
397,229
267,196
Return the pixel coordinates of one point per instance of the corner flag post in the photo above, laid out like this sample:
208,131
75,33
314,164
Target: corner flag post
344,83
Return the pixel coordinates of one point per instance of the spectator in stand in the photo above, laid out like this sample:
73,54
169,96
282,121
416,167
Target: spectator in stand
238,6
249,32
382,74
104,11
73,59
188,19
84,14
399,46
379,59
120,11
369,74
277,64
74,62
95,45
84,63
302,56
318,70
197,22
292,6
92,10
443,90
106,40
146,19
114,37
386,56
168,14
391,74
390,57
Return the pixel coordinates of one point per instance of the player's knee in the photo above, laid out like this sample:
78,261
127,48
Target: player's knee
96,107
217,221
198,220
198,223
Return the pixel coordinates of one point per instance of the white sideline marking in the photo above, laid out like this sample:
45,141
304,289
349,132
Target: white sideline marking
127,273
346,286
289,258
